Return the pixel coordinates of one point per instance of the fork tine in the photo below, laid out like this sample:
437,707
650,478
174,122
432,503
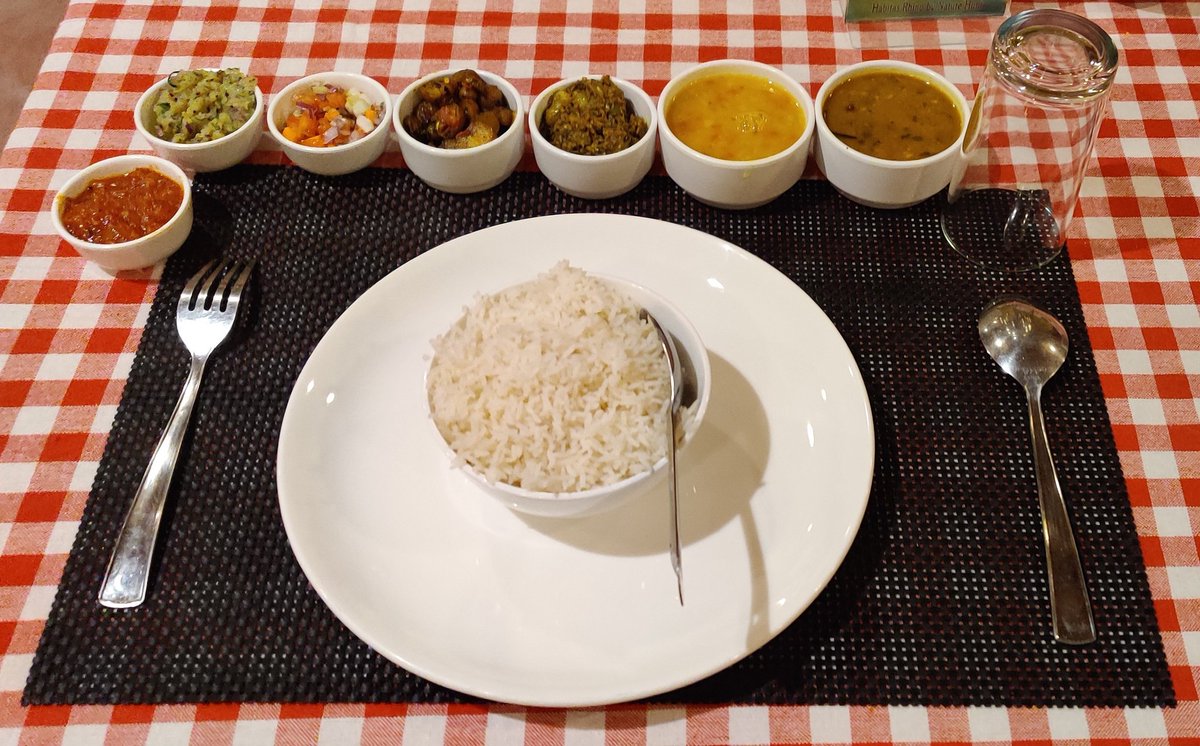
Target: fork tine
187,298
232,291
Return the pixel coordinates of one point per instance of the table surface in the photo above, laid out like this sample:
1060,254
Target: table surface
69,332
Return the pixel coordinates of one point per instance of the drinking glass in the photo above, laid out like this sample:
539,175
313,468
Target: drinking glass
1029,139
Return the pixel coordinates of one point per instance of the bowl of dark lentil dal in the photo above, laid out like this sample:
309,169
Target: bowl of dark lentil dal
889,132
125,213
593,136
202,120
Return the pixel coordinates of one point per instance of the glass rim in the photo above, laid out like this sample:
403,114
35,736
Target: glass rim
1011,61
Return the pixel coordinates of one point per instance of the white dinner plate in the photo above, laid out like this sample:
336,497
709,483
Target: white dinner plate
443,580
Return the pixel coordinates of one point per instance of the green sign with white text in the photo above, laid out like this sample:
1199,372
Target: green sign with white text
875,10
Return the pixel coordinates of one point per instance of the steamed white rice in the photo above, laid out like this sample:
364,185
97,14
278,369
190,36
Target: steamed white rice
554,385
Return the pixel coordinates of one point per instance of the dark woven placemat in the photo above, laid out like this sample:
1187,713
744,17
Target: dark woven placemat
942,599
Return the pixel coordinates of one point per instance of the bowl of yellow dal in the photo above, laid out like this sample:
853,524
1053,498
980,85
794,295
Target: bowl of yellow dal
735,133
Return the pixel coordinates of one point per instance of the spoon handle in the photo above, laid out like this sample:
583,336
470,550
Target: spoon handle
1070,609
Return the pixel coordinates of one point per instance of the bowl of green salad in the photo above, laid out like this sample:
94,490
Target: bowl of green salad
202,120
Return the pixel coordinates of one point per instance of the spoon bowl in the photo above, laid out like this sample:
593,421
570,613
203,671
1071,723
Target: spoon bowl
1031,345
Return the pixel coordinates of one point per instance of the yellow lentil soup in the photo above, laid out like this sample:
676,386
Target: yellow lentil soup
898,116
735,116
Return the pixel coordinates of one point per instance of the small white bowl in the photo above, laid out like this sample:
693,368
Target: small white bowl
734,184
141,252
600,499
595,176
470,169
338,159
879,182
214,155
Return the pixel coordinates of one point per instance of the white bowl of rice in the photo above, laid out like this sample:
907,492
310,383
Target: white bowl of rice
202,120
552,394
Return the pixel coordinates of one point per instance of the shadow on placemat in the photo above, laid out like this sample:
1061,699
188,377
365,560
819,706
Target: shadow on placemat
941,601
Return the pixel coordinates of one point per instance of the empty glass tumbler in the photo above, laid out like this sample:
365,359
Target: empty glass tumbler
1029,139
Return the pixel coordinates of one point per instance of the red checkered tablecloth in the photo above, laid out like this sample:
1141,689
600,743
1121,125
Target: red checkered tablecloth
68,332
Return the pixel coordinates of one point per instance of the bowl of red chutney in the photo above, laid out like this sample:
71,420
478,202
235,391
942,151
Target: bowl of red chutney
125,213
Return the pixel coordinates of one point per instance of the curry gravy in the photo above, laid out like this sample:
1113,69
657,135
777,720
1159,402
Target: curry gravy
891,114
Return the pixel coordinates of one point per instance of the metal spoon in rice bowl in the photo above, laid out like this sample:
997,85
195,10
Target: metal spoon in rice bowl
675,367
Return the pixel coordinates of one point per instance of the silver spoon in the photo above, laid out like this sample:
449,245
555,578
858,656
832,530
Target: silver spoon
1031,345
674,366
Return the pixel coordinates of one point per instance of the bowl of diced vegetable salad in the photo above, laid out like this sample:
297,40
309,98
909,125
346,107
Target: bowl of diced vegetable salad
331,123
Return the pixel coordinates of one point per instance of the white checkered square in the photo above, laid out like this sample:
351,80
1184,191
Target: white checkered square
62,536
1065,724
299,33
1171,270
1172,521
665,726
1145,723
1160,465
1184,582
168,734
424,729
83,139
1134,362
13,315
1191,646
1121,315
1159,227
1147,412
34,420
909,724
186,30
127,28
466,34
749,725
115,64
59,366
989,724
244,31
504,728
84,475
15,476
830,723
254,732
81,316
37,602
1191,361
1184,316
584,728
290,68
349,730
1110,270
99,101
14,669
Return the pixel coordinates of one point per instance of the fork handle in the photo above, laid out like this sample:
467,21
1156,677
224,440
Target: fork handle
129,569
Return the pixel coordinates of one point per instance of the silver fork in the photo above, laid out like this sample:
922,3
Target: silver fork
205,314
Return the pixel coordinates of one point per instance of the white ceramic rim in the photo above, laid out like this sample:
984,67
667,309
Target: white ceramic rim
284,97
139,112
772,73
937,79
629,89
79,182
510,93
702,398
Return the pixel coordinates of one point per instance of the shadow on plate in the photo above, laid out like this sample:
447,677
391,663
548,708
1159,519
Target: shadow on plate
719,472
